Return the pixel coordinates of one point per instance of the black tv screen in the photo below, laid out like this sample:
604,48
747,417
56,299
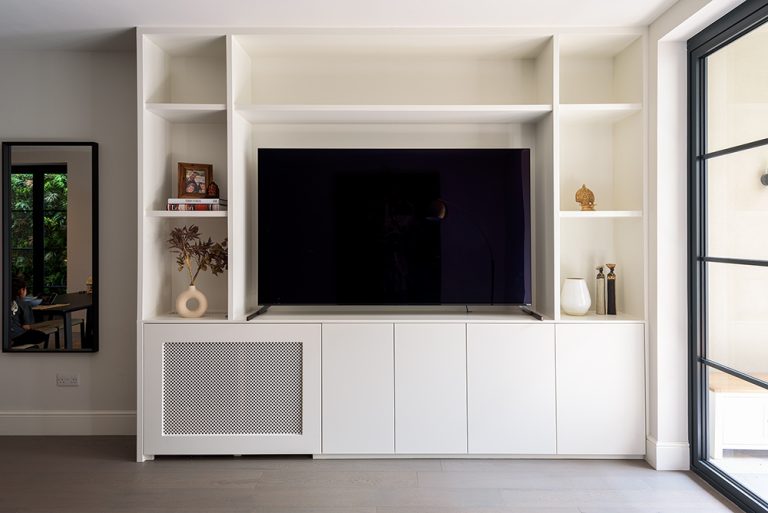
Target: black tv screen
394,226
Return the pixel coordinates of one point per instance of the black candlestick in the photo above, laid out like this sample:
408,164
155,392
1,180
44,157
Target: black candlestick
611,286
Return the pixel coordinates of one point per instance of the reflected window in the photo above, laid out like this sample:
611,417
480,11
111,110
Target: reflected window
38,237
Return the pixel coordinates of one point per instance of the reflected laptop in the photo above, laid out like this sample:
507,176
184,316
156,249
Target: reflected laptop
49,299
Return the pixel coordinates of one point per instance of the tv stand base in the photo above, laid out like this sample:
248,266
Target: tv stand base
258,312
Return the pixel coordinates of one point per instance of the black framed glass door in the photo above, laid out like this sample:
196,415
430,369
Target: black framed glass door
728,254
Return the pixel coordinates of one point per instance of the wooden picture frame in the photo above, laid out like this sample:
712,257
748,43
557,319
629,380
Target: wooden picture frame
194,179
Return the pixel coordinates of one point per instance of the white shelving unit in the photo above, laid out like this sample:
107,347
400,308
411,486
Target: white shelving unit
603,146
576,98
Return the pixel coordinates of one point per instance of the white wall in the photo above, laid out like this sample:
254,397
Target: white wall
65,96
668,447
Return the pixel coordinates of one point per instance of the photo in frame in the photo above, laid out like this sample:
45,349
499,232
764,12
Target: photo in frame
194,179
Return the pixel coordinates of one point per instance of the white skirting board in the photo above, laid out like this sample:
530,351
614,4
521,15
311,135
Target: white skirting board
667,455
67,423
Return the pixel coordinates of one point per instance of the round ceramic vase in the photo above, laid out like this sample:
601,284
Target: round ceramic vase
182,302
574,298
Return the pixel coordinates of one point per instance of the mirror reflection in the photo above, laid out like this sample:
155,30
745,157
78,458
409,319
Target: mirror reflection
49,246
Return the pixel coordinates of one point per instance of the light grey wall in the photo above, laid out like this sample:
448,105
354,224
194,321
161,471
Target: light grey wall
66,96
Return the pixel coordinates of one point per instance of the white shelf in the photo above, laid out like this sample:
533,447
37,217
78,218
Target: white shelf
272,113
591,317
172,318
190,112
403,314
598,112
194,213
577,214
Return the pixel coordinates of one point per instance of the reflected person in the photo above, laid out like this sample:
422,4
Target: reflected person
22,318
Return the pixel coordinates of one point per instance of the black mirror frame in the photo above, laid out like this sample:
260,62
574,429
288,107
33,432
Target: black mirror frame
6,279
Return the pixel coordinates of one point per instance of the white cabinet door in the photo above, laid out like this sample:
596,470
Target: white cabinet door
600,389
358,389
231,389
511,388
430,389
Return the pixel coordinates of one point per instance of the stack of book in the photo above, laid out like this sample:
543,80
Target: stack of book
190,204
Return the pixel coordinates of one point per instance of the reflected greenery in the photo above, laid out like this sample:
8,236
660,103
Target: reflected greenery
54,229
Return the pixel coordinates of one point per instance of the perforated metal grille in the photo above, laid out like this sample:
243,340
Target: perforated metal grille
232,388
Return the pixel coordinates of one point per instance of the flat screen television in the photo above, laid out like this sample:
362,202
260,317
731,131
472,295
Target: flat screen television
394,226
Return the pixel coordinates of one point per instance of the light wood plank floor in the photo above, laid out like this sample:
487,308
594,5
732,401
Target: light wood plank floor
98,474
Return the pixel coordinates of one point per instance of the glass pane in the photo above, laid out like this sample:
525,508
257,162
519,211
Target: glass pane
737,320
21,230
22,263
55,262
737,92
55,224
55,191
738,430
737,205
21,191
55,253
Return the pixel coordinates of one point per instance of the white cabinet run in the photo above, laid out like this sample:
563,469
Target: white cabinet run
430,389
511,388
358,389
231,389
600,389
402,388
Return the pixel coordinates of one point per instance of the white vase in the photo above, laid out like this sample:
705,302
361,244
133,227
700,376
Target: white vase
188,295
574,298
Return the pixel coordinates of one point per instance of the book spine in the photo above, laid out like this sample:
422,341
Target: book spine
196,201
192,208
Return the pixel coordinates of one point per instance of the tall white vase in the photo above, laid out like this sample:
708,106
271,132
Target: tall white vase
574,298
188,295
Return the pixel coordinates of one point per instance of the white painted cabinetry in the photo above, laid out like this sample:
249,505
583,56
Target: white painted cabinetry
430,389
600,389
358,389
511,388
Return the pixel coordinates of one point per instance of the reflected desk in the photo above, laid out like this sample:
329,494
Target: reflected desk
64,306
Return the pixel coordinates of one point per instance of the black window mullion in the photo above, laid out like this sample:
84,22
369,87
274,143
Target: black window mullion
735,373
733,149
38,231
733,261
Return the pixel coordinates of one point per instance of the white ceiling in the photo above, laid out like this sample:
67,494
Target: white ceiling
93,24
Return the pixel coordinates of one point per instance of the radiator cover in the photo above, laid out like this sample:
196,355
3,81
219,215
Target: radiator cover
232,388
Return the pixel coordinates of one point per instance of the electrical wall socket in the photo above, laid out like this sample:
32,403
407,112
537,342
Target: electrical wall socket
67,380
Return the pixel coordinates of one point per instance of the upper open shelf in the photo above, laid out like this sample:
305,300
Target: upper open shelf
406,69
601,68
182,68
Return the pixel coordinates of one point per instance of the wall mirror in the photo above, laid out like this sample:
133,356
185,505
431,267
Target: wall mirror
50,247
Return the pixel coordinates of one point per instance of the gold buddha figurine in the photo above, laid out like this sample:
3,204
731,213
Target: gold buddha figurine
585,198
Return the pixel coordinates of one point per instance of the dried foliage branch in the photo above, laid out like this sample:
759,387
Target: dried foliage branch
195,254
